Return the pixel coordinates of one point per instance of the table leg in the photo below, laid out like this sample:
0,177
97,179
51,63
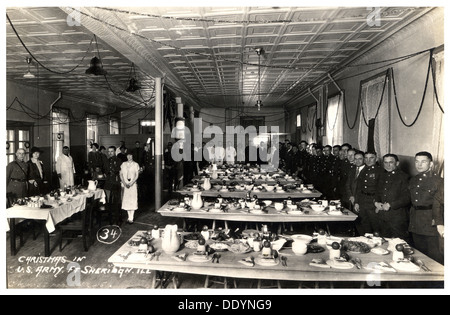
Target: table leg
12,235
226,225
214,225
153,285
46,242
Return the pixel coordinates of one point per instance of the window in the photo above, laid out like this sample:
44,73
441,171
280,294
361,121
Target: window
146,126
17,137
91,130
334,119
114,126
299,121
374,118
61,135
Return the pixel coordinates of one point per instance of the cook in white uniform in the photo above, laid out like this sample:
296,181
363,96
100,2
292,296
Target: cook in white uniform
65,168
129,173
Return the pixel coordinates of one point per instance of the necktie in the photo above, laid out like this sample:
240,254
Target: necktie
357,172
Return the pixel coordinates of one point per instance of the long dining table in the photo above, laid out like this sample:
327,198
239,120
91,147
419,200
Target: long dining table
297,268
55,212
268,215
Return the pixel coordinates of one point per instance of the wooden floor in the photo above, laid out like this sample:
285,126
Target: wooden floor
30,269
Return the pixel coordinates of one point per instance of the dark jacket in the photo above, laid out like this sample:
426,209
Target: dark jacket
34,174
427,209
393,189
352,182
367,183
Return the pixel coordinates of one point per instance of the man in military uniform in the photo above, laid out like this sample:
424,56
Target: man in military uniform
346,166
351,186
367,184
17,173
303,158
112,178
336,149
94,159
331,163
319,170
427,212
392,200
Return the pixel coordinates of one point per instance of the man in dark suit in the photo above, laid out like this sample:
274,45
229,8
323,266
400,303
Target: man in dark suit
365,193
427,211
351,186
392,200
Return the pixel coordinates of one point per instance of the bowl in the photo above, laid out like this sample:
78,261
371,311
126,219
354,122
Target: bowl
302,238
270,188
279,206
278,244
267,202
317,208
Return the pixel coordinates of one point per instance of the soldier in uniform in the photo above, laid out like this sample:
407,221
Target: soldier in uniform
347,167
112,178
336,149
392,200
319,169
331,173
94,160
367,184
427,212
17,176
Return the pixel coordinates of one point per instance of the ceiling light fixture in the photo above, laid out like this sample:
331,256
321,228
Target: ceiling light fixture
29,75
259,52
134,83
96,67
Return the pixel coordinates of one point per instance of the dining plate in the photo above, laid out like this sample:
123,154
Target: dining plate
404,265
266,261
179,209
256,211
199,258
215,210
379,251
138,256
339,264
295,212
192,244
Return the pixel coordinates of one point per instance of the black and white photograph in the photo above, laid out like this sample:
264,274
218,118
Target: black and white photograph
235,148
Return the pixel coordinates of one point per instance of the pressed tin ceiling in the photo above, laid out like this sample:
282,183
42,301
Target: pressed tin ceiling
206,55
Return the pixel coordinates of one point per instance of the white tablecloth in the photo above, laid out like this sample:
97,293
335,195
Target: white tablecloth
58,213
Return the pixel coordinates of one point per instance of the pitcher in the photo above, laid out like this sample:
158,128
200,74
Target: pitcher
207,183
171,241
92,185
197,201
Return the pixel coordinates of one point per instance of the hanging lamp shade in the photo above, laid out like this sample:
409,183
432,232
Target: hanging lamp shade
133,86
96,67
259,52
29,75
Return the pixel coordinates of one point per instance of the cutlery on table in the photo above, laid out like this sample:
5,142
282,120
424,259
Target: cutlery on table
421,264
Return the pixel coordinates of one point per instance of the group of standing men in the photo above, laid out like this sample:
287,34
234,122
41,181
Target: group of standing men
386,200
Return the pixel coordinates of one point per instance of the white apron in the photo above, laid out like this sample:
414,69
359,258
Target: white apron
65,167
129,172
